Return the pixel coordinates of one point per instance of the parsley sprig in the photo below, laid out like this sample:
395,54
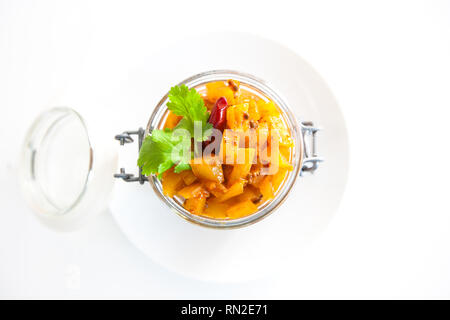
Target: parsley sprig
163,149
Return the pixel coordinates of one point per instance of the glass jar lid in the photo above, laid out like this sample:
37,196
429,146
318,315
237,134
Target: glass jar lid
65,177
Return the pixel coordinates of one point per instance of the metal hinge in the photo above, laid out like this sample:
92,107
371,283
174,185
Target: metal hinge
310,158
124,138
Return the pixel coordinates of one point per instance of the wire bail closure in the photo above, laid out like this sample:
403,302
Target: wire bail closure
123,139
310,160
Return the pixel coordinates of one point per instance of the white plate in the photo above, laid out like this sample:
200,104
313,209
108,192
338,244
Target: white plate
251,252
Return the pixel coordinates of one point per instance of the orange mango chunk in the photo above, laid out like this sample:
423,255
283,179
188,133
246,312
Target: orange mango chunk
193,191
267,108
266,188
253,111
216,209
250,193
217,89
171,182
278,164
195,205
238,117
283,163
231,151
285,151
228,145
235,190
188,177
242,209
245,160
171,120
217,189
208,168
278,178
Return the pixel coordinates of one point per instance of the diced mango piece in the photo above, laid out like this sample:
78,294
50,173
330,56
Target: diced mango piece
171,182
228,153
217,89
253,111
255,176
262,133
284,164
231,137
242,99
277,164
285,151
286,141
267,108
235,190
171,120
195,190
208,168
217,189
244,161
231,122
238,117
188,177
246,96
278,178
250,193
227,169
216,209
247,138
228,145
266,188
282,133
230,150
195,205
242,209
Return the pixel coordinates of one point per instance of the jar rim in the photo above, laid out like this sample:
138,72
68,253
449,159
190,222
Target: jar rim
295,131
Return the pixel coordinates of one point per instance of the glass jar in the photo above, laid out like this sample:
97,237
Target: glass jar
303,156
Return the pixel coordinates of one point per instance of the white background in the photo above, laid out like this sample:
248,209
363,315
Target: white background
388,64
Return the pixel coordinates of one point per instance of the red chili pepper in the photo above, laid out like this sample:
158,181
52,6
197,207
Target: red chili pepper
218,117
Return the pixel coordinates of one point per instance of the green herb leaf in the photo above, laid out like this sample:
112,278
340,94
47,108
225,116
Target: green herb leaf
166,148
164,138
163,149
165,166
190,105
151,156
181,167
187,103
